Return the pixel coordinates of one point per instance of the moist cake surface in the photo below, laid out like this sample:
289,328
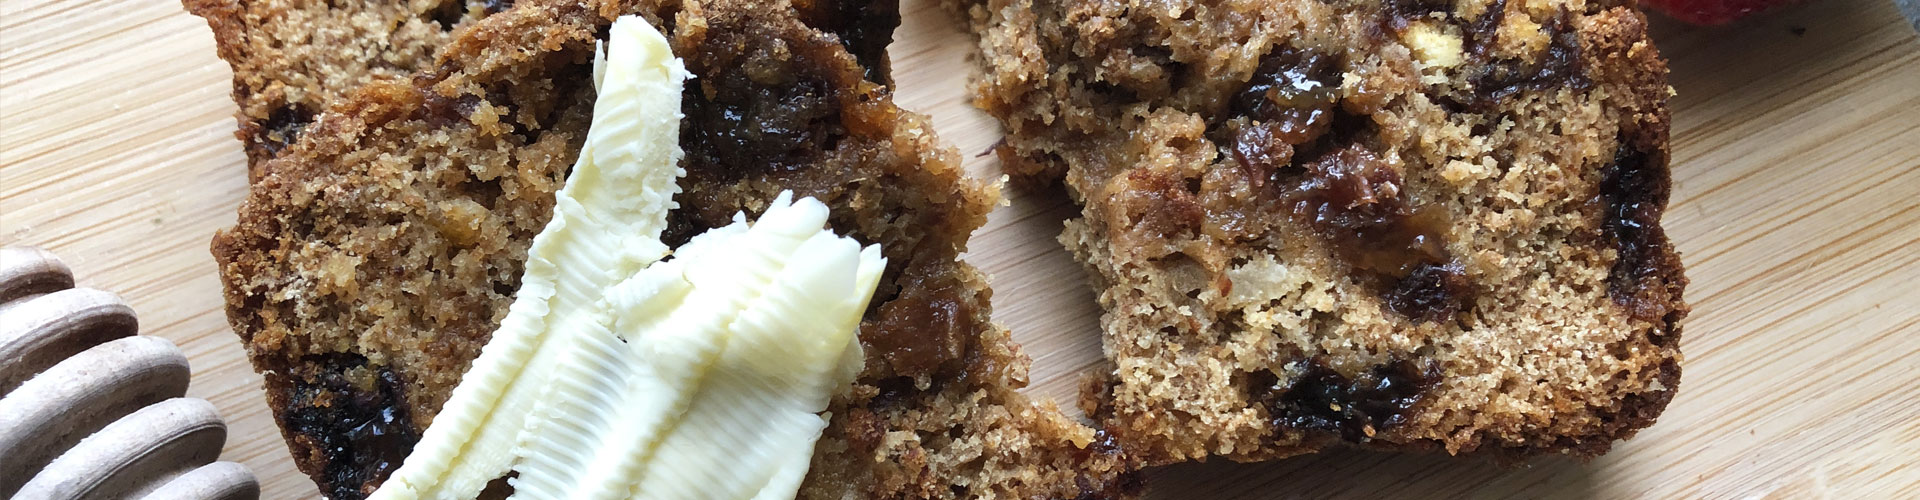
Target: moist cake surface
1407,224
378,252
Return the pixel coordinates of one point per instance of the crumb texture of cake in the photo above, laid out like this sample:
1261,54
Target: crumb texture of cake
380,250
291,58
1408,224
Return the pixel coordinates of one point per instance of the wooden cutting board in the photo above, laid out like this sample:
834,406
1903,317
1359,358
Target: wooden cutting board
1797,206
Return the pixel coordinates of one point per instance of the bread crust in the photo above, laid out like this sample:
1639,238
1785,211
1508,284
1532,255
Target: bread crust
291,58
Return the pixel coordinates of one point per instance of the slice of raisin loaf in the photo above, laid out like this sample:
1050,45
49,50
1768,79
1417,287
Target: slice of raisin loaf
1411,224
380,251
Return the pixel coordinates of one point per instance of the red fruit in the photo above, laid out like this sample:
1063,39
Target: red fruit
1705,12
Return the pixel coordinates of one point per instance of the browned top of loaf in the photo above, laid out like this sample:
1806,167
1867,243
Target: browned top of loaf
292,58
1403,224
377,253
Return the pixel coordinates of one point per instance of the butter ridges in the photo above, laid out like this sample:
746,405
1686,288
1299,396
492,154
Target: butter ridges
616,376
472,439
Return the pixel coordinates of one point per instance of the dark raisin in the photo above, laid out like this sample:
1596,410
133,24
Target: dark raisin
757,108
363,433
283,127
448,14
893,391
923,331
746,128
1358,206
1258,153
864,28
1103,444
1351,190
1431,292
1483,31
1497,79
1398,14
1293,92
440,110
1127,484
1357,408
1634,193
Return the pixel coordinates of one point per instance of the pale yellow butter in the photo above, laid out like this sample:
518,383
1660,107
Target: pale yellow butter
732,350
617,376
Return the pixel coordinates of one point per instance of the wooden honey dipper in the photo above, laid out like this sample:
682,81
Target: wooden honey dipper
90,409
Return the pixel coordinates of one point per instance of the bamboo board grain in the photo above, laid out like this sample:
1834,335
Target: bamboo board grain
1797,206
